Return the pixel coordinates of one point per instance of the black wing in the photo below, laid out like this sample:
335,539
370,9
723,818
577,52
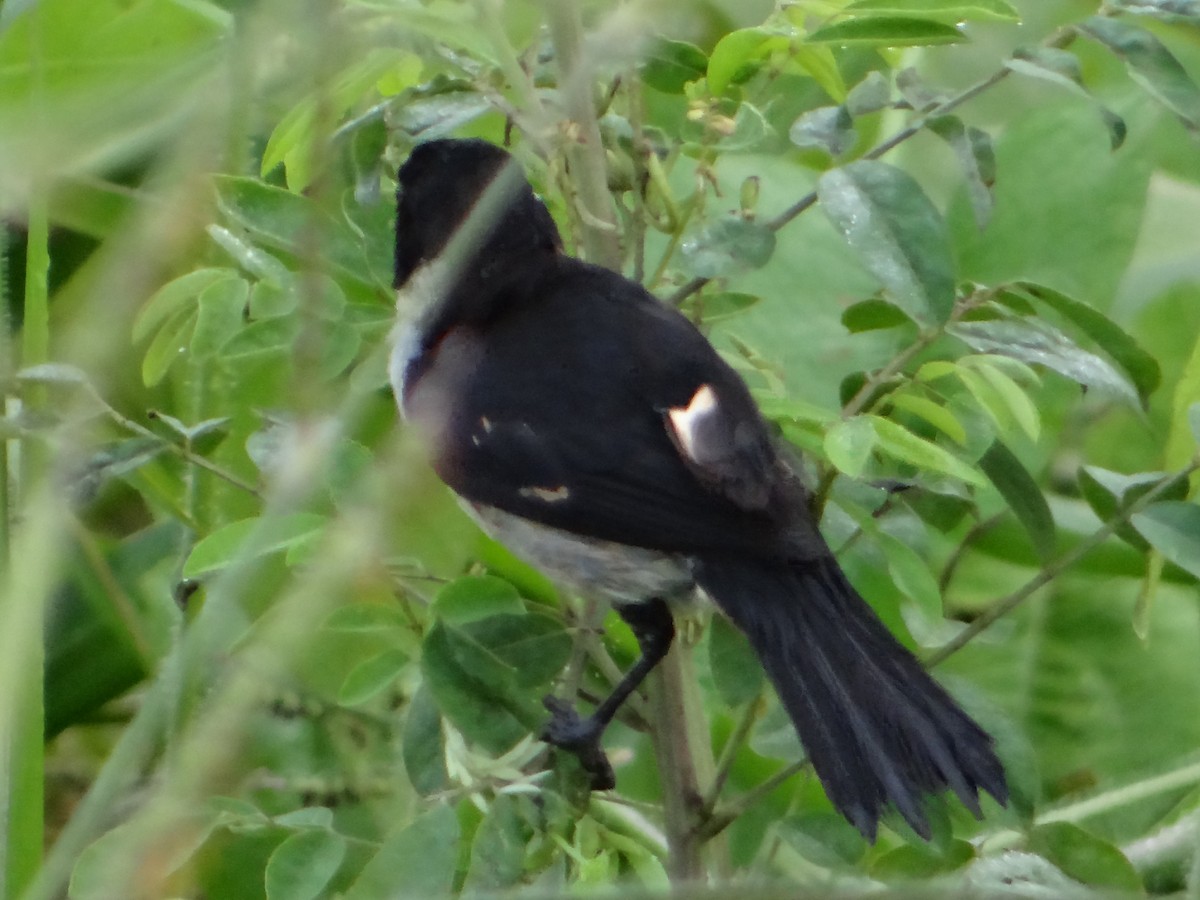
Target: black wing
589,406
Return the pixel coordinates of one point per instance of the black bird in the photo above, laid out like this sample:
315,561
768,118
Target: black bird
597,433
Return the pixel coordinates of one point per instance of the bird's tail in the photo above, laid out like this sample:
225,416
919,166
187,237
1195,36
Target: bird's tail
878,729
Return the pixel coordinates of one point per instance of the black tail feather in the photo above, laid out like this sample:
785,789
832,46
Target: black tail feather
878,729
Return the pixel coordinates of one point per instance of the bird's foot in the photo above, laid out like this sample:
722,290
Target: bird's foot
581,737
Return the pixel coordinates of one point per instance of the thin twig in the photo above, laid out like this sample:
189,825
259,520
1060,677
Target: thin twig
1052,570
1059,39
729,753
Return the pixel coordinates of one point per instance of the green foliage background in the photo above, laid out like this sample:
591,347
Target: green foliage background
249,647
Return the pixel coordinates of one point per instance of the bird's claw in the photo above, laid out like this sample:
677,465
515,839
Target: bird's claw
580,737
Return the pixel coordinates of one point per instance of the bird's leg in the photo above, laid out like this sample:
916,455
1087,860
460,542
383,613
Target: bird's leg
654,629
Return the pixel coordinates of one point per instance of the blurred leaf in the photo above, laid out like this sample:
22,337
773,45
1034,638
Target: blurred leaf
1035,342
750,130
870,95
1010,394
249,538
1172,528
168,346
498,850
848,444
1150,64
1167,10
173,297
1139,365
829,129
475,597
1084,857
905,446
371,676
1061,67
306,817
364,617
737,674
285,221
418,859
912,576
536,645
439,115
220,312
949,11
668,65
824,838
476,690
727,245
717,307
890,31
917,861
1022,495
423,745
933,413
257,263
103,865
897,232
872,315
976,156
736,50
1107,493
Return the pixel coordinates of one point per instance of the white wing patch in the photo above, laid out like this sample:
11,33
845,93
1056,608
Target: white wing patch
687,421
545,494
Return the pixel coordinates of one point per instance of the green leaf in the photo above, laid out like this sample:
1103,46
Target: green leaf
898,234
1062,67
499,848
1107,493
475,597
306,817
1140,366
416,860
249,538
1084,857
870,95
736,51
829,129
1037,343
1011,394
168,346
891,31
1187,11
535,645
423,746
933,413
824,838
269,300
976,157
1150,64
727,245
750,131
717,307
921,861
848,445
1022,495
949,11
257,263
284,221
737,674
221,310
173,297
911,575
902,444
476,690
668,65
873,315
371,676
1173,529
